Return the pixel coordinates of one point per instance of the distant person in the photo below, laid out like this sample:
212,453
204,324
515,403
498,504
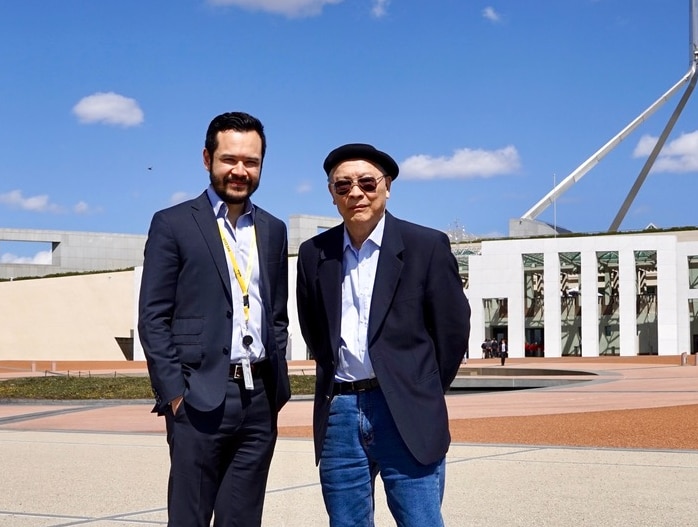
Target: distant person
503,351
488,348
382,310
213,324
494,346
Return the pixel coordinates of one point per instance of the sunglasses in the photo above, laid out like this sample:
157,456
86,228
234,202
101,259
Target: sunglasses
365,183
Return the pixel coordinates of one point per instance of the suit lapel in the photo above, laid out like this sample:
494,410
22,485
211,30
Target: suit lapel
262,236
330,282
203,216
387,275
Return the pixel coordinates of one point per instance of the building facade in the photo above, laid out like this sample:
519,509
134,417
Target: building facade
586,295
549,296
72,251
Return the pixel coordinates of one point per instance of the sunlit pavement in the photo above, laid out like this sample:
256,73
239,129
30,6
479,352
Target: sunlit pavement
105,464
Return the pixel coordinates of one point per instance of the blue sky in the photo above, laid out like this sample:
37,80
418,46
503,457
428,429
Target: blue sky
485,105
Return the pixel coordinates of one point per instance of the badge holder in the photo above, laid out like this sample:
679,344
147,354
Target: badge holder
246,366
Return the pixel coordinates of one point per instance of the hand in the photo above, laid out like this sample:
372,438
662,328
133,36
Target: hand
175,403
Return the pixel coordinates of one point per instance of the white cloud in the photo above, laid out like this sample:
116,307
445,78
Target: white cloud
464,164
108,108
679,155
380,8
40,258
179,197
644,146
289,8
83,209
40,203
304,187
641,210
490,14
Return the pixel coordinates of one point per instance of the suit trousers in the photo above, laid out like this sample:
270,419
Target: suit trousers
220,459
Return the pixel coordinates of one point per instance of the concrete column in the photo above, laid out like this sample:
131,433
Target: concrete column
627,302
552,314
668,299
590,304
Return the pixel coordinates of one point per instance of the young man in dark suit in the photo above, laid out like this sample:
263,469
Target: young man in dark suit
213,324
382,310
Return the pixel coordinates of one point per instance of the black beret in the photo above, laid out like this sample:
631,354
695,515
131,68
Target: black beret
361,151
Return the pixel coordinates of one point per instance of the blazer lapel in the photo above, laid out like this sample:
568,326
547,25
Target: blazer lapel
330,283
203,216
262,236
387,275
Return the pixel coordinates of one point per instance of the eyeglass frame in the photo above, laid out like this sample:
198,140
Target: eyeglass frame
356,183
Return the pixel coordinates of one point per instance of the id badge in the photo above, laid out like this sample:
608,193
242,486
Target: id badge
247,373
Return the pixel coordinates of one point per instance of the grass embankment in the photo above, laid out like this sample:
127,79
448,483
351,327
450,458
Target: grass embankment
103,387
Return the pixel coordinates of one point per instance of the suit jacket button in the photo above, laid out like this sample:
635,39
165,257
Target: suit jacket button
229,314
226,351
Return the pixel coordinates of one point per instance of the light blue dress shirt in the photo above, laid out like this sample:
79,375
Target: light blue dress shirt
359,268
240,239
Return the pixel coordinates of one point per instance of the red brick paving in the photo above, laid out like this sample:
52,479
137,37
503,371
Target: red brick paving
634,402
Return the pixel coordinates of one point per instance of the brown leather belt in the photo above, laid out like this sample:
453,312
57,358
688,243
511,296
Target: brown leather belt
257,368
364,385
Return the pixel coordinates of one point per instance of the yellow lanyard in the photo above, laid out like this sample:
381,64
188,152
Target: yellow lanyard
243,282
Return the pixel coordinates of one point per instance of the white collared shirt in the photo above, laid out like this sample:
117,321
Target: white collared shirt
359,270
240,239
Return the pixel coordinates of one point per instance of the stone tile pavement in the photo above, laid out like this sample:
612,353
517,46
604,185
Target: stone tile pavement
105,465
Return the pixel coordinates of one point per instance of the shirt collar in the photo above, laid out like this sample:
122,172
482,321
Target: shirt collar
220,208
376,236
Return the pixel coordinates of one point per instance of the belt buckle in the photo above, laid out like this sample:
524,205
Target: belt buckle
237,372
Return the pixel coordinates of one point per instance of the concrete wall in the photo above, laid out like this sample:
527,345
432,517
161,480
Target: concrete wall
66,318
303,227
75,251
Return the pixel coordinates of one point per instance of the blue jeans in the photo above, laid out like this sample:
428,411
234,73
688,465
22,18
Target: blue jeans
363,441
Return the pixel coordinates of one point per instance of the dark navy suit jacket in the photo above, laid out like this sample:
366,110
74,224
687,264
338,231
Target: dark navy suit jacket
417,331
186,311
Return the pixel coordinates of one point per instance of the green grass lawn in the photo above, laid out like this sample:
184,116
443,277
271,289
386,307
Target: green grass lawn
103,387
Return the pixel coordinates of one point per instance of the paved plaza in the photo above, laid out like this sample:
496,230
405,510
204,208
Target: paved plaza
105,464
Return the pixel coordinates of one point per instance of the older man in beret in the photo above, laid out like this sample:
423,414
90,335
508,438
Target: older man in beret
382,310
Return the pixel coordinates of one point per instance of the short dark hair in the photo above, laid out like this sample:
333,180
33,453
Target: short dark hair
238,121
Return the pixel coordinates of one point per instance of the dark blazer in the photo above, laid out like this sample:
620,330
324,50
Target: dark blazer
417,331
185,305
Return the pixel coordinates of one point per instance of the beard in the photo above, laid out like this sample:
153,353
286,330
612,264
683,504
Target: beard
229,196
